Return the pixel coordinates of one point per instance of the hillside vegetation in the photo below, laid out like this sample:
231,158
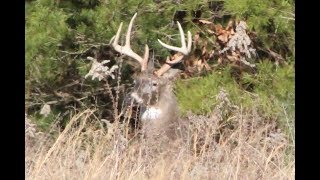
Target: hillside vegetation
236,90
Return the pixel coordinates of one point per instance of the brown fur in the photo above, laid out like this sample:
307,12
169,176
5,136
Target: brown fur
157,92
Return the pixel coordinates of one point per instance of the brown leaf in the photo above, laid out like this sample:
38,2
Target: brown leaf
229,26
234,57
207,67
211,54
210,31
231,33
199,62
211,27
223,37
196,38
205,21
204,50
220,60
218,28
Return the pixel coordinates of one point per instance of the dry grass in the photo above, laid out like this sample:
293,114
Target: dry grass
244,146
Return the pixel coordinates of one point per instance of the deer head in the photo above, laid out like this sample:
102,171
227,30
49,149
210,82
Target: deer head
153,89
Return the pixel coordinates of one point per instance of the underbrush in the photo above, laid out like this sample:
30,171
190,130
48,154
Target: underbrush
271,91
231,142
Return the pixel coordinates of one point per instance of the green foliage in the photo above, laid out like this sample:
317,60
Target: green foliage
275,87
198,95
44,122
273,93
57,29
272,21
45,28
76,25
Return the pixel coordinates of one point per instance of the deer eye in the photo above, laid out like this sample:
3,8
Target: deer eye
154,84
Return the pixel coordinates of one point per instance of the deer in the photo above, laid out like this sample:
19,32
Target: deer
153,89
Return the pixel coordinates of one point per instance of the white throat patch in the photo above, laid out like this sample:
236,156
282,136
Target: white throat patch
151,113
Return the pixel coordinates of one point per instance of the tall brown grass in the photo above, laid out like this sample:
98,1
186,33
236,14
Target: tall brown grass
242,145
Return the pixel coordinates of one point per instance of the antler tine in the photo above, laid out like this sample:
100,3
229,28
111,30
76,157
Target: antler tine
183,49
189,41
129,31
126,49
144,64
183,41
167,65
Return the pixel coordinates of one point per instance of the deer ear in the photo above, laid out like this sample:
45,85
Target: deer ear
150,67
171,74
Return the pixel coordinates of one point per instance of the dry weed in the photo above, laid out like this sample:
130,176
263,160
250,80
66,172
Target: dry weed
238,145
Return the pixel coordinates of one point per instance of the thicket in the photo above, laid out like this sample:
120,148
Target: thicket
60,35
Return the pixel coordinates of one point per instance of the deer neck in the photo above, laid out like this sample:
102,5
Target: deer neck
165,106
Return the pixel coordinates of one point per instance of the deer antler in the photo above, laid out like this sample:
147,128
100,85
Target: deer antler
126,49
185,50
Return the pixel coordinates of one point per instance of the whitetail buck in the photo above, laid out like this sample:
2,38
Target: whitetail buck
153,89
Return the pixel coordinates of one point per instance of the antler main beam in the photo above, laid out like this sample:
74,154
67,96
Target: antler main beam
183,49
126,49
164,68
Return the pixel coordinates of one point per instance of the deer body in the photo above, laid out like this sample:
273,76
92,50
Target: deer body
158,103
153,90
